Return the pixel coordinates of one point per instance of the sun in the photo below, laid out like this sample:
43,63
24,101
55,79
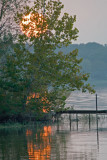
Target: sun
33,24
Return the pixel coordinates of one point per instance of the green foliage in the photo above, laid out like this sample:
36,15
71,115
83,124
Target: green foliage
34,67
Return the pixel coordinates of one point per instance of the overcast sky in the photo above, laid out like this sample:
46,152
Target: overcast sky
91,19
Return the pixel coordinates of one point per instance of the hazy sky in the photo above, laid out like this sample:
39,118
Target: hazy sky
91,19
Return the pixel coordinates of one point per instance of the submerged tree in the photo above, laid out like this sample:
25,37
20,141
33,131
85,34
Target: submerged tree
43,74
52,71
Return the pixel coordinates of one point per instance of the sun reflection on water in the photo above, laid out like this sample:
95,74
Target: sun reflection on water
43,150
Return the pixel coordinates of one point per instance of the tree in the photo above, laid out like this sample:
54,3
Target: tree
8,27
8,32
12,82
53,72
8,9
43,75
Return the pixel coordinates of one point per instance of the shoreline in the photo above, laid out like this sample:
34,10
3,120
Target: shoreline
18,125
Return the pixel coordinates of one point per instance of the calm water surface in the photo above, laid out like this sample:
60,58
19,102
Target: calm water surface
81,140
87,101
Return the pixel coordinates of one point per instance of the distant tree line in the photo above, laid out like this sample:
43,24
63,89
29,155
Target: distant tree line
94,59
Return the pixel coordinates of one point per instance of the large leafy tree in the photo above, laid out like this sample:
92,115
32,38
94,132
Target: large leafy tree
42,74
52,71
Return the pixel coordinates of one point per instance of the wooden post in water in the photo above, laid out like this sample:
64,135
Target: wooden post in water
96,103
57,118
70,121
97,134
96,109
77,121
89,122
97,120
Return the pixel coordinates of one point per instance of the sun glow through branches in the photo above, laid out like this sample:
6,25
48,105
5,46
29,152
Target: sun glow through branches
33,24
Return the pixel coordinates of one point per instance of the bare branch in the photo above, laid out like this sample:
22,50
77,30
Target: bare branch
8,10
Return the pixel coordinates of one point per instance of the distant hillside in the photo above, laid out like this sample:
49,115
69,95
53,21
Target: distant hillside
94,59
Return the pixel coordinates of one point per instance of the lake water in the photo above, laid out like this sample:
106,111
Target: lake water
85,139
88,101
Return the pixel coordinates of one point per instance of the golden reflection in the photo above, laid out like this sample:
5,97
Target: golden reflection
28,132
41,148
33,24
